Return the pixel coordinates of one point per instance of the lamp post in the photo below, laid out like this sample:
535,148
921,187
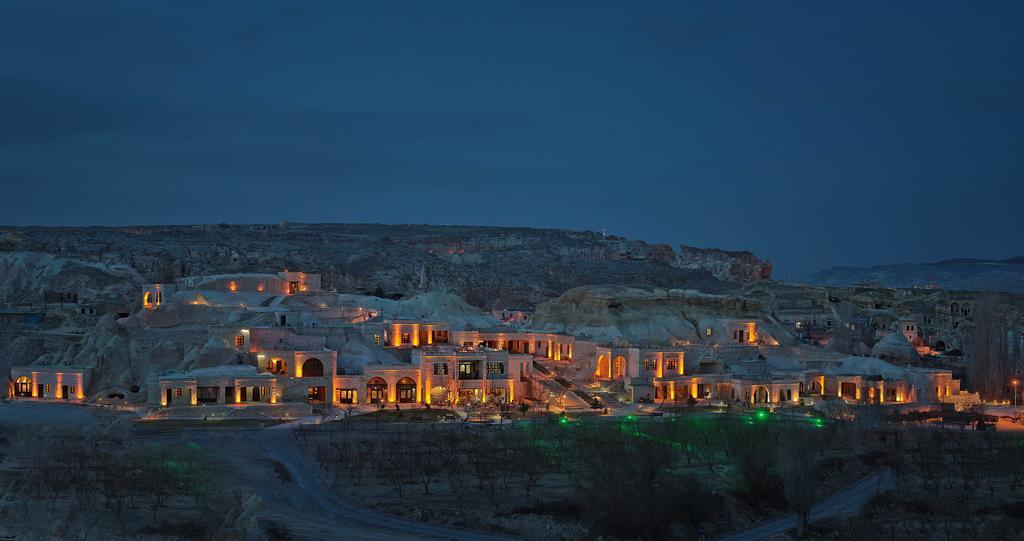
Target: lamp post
1016,382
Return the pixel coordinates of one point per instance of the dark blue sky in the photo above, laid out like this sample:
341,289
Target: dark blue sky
813,133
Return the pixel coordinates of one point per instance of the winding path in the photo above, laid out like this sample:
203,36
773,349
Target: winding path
846,502
348,519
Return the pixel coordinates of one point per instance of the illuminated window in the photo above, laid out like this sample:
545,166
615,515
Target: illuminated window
178,392
495,368
672,364
239,341
47,387
71,389
376,339
468,370
707,331
404,339
650,364
263,390
440,369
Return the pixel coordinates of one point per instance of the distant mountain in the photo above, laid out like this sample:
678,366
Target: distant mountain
956,274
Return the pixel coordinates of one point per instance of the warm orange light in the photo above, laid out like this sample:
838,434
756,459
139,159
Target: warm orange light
233,286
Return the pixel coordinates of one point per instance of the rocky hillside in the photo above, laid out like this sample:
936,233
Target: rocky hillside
955,274
488,266
639,315
26,277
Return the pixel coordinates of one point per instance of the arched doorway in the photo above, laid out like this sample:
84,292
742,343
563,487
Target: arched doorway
762,396
312,368
439,396
377,390
619,371
406,389
604,367
147,299
278,366
23,387
815,387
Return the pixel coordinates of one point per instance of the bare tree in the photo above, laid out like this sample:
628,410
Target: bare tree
424,459
798,466
390,463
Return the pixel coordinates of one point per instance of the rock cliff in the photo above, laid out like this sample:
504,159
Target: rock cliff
488,266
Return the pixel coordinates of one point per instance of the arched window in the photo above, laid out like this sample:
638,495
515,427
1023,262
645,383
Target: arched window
312,368
23,386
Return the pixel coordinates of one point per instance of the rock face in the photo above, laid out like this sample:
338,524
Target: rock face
894,347
27,277
724,265
487,266
636,314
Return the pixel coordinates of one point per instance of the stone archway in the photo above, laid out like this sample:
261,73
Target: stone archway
439,396
619,367
604,367
23,387
762,396
406,389
376,390
312,368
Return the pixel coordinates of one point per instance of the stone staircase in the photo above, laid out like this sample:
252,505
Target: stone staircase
611,394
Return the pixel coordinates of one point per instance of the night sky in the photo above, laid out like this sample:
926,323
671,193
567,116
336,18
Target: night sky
812,133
